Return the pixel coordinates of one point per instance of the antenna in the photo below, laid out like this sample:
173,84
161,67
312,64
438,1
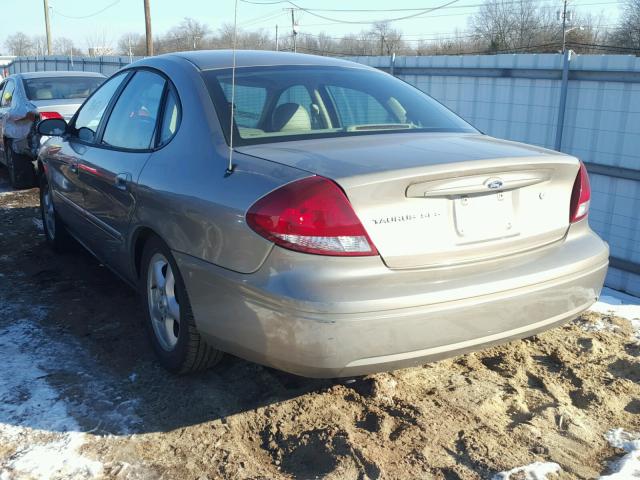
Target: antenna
230,166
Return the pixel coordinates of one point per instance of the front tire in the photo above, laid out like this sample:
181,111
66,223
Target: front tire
169,318
55,231
21,174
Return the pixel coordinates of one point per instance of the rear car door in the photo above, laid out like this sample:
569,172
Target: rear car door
65,154
109,169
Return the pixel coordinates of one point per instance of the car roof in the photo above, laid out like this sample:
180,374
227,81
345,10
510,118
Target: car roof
214,59
58,74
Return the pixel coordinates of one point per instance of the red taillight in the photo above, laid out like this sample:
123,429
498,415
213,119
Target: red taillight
311,215
580,196
49,115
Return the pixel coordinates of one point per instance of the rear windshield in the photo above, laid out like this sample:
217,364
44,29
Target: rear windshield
298,102
59,88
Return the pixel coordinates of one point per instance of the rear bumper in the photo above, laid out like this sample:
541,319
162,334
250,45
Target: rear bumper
368,320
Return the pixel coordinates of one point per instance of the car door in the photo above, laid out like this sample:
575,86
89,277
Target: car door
64,154
6,100
109,169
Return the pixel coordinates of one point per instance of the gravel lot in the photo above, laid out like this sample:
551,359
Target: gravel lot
82,397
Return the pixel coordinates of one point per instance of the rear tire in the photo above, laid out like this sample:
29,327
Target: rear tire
169,319
55,231
21,174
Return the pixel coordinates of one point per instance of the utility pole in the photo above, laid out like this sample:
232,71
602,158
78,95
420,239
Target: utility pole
294,28
564,27
147,26
277,44
47,25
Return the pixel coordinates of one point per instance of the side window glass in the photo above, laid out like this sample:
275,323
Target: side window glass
355,107
7,94
91,112
132,123
249,104
171,118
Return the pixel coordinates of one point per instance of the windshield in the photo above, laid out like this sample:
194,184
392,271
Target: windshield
59,88
297,102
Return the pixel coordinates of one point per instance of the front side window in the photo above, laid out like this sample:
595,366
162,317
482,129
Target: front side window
132,123
282,103
61,88
7,93
90,114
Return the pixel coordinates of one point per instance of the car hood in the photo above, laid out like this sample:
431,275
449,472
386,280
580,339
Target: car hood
369,154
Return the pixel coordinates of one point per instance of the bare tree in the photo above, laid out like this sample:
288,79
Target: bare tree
133,44
628,33
39,45
189,34
65,46
19,44
389,39
99,44
505,24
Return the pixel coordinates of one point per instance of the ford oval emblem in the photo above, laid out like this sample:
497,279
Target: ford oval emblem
495,184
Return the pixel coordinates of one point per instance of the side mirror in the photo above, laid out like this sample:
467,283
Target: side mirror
52,127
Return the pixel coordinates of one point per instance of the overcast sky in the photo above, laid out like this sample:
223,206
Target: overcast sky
125,16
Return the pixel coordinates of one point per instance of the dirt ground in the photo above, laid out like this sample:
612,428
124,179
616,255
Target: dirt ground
81,387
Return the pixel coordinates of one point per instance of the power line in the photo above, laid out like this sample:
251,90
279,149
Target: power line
470,5
384,20
112,4
262,18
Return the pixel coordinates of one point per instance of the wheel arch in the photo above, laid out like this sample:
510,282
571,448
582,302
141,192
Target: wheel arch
139,239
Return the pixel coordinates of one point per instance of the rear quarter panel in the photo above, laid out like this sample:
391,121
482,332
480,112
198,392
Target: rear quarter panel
184,194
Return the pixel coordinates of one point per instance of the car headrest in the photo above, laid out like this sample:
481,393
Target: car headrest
290,116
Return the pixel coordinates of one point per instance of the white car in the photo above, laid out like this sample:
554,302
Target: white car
28,98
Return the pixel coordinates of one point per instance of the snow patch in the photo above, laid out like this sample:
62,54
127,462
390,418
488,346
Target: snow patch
534,471
33,419
57,459
39,433
628,467
621,305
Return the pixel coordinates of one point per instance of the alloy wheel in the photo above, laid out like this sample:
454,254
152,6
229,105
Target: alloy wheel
49,213
164,308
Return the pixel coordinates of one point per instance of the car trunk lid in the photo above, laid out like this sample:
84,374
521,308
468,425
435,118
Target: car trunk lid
430,200
64,107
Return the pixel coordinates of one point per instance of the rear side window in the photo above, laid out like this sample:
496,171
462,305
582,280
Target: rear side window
132,123
170,119
91,112
249,103
61,88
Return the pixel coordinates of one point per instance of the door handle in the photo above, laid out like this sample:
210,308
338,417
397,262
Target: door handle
122,181
73,167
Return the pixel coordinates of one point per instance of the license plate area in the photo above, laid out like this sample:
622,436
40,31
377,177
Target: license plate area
485,217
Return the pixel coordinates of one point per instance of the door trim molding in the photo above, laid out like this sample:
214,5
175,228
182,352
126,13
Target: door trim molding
108,229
